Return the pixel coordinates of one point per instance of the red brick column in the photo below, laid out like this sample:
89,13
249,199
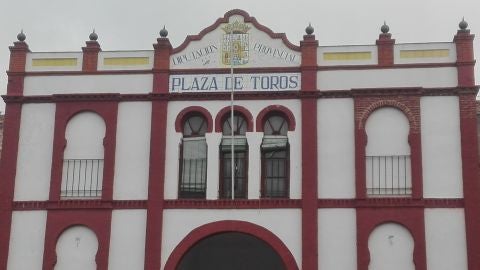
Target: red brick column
11,134
469,141
465,59
309,154
153,243
385,49
90,56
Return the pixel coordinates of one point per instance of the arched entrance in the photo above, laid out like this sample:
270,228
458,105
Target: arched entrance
231,250
232,245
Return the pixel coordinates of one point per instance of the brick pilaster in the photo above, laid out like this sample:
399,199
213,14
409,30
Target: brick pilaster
11,134
308,69
90,56
385,45
153,243
465,59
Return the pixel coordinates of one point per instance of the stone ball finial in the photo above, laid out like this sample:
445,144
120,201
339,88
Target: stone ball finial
93,36
309,30
463,24
21,36
163,32
384,28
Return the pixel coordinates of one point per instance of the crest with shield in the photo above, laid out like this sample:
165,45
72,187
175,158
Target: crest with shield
235,44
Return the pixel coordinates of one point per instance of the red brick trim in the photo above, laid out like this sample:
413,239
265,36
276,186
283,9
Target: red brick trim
410,106
309,185
8,169
18,56
90,56
248,95
156,180
182,116
391,202
274,109
235,204
465,59
64,112
247,19
98,221
414,125
231,226
238,204
411,218
385,45
225,112
470,173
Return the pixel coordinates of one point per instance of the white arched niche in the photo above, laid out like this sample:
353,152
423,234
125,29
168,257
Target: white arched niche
391,247
76,249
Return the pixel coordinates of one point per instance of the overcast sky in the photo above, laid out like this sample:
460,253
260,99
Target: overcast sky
64,25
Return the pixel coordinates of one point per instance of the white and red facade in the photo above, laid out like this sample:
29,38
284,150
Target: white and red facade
344,105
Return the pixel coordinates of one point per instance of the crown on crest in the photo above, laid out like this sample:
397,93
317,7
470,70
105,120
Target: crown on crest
236,27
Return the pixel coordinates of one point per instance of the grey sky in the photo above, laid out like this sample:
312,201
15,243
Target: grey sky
62,25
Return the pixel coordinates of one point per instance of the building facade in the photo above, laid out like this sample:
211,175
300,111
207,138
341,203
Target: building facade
2,117
344,157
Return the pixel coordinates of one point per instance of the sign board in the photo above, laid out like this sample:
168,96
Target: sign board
237,41
241,82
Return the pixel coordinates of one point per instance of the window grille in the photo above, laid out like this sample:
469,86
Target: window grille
388,175
82,178
193,168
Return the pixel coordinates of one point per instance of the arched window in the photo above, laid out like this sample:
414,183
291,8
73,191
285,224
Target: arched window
275,157
388,166
240,165
82,175
193,158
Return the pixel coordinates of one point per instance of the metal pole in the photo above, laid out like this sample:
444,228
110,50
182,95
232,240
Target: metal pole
232,125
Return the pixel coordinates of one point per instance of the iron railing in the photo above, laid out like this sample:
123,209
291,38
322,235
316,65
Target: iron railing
275,177
193,175
388,175
240,179
82,178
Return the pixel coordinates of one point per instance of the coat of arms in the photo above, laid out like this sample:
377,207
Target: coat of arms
235,44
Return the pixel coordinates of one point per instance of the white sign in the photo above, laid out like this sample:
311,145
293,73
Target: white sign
241,82
237,42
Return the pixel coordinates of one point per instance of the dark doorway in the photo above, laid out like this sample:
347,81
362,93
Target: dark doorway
231,251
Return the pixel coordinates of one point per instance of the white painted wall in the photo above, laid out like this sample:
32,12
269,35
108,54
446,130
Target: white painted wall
35,146
387,78
337,239
84,135
254,157
445,239
391,247
352,48
42,55
284,223
452,54
123,84
127,239
387,131
213,140
27,240
132,153
112,54
336,148
441,149
76,249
